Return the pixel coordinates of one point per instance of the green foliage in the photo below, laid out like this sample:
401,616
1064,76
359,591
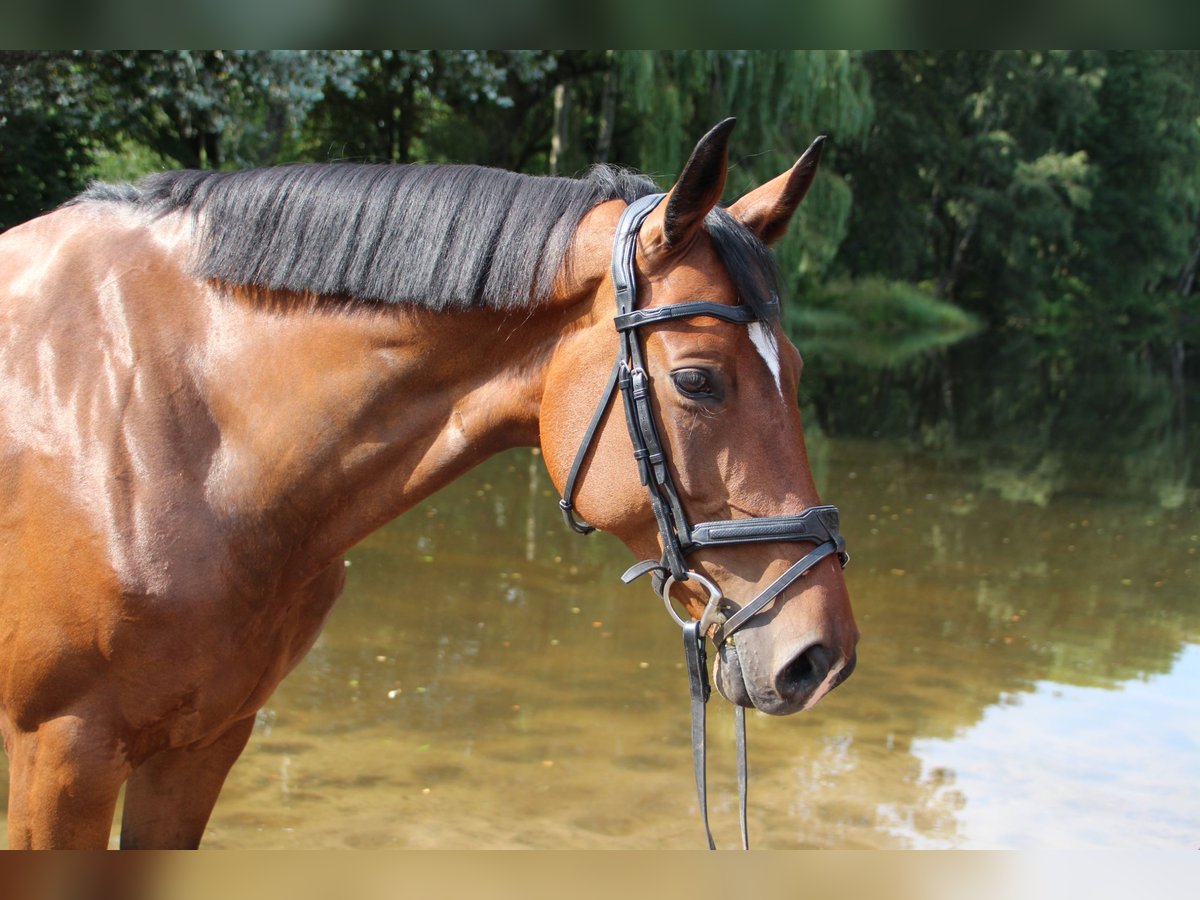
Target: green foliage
1053,193
894,306
783,100
214,108
46,141
126,160
437,106
1051,198
873,323
1145,215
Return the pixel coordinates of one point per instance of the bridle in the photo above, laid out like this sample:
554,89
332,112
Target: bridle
721,618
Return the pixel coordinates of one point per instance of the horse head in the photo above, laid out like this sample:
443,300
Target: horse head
720,390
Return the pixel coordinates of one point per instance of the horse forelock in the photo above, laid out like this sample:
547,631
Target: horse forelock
443,237
749,262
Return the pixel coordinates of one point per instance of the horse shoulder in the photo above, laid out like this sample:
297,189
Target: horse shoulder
111,555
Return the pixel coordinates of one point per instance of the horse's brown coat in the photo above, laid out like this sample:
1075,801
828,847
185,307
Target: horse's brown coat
183,463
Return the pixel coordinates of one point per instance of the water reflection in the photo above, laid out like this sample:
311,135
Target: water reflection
1045,417
488,682
1064,766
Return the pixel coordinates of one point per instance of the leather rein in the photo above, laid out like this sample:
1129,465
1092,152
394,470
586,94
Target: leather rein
721,617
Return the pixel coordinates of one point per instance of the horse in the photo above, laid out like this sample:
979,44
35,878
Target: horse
213,384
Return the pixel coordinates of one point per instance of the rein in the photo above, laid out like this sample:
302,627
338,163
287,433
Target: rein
721,617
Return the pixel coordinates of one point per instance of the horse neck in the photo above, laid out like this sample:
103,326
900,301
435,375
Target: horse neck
336,418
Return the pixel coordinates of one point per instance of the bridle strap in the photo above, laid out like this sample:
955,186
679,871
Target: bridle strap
565,504
695,656
634,383
624,278
776,587
743,776
624,272
697,665
818,524
741,315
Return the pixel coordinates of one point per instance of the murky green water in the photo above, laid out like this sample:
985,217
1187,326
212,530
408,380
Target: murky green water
1029,676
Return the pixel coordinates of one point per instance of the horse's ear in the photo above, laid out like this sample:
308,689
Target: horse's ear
767,210
699,187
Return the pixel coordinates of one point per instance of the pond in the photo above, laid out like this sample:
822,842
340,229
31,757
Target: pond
1029,676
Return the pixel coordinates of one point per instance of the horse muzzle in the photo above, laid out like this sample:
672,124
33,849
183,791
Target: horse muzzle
796,685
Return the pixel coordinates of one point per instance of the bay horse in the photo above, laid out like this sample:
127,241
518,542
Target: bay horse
212,384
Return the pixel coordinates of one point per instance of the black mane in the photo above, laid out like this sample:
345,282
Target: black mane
439,236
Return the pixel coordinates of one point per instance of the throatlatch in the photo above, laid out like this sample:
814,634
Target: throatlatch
818,524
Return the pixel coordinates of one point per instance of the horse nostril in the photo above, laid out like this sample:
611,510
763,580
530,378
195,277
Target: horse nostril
804,673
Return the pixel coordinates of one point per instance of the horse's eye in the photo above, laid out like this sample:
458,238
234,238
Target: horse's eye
694,383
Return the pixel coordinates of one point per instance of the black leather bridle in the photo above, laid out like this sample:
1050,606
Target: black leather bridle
721,618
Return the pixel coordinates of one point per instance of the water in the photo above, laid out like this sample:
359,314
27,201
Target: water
1029,676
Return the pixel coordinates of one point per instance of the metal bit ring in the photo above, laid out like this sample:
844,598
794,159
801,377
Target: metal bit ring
712,614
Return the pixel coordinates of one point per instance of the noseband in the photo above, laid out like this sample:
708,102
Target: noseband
721,618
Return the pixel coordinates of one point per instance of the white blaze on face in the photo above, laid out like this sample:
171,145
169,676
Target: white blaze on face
764,342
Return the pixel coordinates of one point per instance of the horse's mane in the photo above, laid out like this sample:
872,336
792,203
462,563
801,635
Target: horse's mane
439,236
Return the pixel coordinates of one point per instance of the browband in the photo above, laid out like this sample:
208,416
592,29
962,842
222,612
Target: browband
639,317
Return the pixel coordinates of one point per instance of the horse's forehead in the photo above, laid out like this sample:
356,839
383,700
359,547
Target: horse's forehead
697,267
699,274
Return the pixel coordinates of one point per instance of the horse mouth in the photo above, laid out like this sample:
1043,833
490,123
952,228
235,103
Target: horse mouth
728,676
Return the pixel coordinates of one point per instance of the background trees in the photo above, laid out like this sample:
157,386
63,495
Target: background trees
1048,201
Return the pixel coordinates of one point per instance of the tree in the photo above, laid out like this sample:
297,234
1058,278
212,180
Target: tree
1143,232
783,100
205,109
489,108
46,142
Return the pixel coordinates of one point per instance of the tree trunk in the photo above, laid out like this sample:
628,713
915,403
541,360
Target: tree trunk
1187,278
407,120
608,111
212,149
558,139
1178,349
